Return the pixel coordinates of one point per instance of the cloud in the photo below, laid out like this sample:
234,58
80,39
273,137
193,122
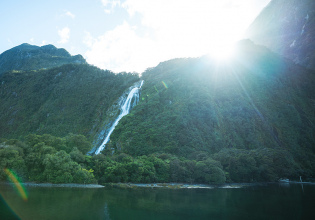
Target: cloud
190,28
194,27
166,30
64,35
44,42
68,13
110,5
232,4
88,40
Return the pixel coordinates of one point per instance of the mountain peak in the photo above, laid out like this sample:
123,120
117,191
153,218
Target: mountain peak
49,46
55,51
31,57
25,46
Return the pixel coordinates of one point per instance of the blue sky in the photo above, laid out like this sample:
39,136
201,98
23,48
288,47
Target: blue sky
128,35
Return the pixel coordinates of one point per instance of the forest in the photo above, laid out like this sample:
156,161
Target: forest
46,158
233,112
198,121
71,98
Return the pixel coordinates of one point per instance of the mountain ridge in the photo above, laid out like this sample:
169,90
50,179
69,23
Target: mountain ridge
31,57
256,102
198,120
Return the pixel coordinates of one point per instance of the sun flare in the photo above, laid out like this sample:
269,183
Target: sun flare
222,52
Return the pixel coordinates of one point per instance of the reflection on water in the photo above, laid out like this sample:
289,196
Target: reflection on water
276,201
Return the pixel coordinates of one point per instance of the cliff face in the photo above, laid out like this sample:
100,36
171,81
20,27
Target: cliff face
287,27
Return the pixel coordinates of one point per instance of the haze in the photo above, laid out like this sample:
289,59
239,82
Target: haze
128,35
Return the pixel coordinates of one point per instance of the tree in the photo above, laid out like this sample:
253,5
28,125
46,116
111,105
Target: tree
78,141
209,171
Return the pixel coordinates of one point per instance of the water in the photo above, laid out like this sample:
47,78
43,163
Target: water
124,110
272,201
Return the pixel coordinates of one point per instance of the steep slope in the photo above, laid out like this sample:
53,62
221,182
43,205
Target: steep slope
288,28
72,98
30,57
258,101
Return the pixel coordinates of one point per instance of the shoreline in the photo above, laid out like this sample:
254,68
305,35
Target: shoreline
181,185
196,186
65,185
157,185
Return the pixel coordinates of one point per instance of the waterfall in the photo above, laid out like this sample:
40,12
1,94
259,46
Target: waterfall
124,110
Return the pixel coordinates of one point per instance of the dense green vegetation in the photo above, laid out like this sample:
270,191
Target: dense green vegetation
198,121
45,158
257,103
70,98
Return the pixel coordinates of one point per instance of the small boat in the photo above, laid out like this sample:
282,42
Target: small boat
282,180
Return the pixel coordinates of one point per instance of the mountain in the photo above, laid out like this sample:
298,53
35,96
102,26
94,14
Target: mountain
30,57
288,28
46,90
198,120
72,98
259,105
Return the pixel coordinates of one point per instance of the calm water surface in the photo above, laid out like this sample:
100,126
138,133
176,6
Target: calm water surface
271,201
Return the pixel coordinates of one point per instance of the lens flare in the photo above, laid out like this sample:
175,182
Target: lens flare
14,178
165,85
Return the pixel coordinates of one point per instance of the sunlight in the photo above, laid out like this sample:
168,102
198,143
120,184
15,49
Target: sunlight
190,30
222,52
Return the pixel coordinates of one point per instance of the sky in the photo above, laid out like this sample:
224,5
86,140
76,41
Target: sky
128,35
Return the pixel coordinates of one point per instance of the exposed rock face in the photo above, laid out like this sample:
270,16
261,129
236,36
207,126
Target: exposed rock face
30,57
288,28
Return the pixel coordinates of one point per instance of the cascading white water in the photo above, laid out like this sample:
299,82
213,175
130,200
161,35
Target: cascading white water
124,110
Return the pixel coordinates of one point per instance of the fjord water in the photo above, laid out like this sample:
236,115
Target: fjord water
269,201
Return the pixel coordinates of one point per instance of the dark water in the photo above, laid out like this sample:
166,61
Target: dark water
272,201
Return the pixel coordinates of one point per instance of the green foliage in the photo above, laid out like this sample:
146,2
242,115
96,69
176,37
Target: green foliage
257,101
78,141
258,165
124,168
160,168
59,168
209,171
77,156
68,143
12,157
197,122
42,158
72,98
